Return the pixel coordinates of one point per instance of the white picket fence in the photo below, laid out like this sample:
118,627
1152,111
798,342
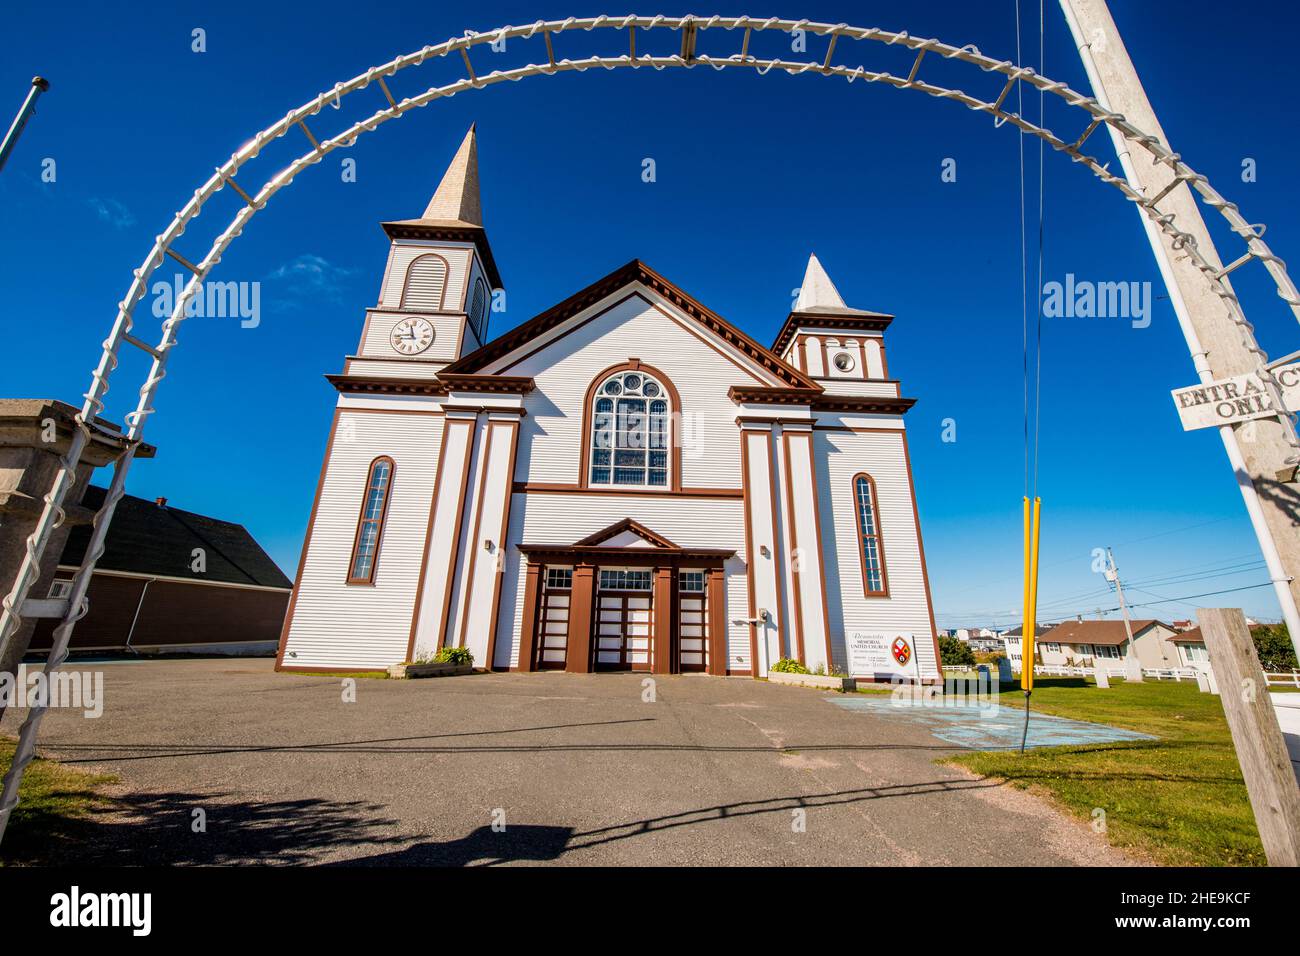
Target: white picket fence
1179,674
1283,679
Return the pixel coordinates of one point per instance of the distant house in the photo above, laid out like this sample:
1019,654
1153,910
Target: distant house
1190,647
1088,643
171,581
1012,640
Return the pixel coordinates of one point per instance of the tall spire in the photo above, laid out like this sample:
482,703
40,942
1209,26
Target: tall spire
457,200
818,292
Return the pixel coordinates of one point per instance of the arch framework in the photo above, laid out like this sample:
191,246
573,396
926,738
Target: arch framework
690,30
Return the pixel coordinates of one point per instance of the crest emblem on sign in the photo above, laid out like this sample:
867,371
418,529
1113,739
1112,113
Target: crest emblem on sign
902,653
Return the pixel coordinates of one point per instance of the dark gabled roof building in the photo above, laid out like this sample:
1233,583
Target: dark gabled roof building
171,581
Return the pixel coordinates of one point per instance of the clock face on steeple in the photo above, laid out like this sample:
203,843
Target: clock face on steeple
411,336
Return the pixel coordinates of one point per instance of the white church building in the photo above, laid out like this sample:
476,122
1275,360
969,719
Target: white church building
627,481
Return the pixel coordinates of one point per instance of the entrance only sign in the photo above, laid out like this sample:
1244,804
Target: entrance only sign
1235,399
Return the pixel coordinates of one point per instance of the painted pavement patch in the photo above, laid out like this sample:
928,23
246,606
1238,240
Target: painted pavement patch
993,727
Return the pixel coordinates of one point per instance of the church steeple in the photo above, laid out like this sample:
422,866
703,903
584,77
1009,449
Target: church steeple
456,201
818,292
441,283
825,339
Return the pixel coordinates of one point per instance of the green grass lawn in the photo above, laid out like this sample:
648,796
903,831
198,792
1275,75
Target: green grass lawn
53,802
1180,799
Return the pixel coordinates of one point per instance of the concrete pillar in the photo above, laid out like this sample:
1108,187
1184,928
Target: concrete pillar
34,437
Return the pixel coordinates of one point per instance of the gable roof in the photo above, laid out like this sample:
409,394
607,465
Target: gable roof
634,271
1019,630
149,538
1106,633
618,527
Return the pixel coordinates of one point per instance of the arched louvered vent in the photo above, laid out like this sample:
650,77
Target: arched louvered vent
426,278
478,307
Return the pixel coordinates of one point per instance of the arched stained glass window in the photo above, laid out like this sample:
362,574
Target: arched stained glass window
370,525
630,431
867,511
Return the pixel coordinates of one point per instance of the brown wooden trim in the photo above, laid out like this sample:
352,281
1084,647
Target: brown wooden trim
529,619
634,271
542,488
820,401
306,544
512,384
925,574
796,573
663,617
447,610
448,232
581,605
716,608
440,387
880,536
866,322
629,557
369,579
502,546
674,414
627,524
406,277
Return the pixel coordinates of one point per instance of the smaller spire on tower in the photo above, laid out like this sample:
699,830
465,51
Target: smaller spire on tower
818,292
457,199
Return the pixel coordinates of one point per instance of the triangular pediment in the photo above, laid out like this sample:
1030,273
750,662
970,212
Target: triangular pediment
550,326
626,534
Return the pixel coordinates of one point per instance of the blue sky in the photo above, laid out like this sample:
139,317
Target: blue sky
752,175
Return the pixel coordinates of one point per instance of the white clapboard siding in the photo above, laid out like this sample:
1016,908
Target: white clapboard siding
633,328
395,368
405,252
562,519
378,342
365,626
840,456
858,387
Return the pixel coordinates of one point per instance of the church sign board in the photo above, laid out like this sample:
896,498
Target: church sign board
873,653
1235,399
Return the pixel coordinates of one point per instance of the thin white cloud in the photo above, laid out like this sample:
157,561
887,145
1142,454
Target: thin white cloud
311,276
112,212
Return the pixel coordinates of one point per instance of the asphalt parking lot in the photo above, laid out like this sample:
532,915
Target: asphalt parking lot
547,768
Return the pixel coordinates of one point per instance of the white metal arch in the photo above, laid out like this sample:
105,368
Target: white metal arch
689,29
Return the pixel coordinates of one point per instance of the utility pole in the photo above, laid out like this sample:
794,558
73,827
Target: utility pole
1258,453
39,86
1112,575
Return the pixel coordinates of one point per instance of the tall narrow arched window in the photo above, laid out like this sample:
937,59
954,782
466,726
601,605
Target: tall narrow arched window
426,278
866,510
630,441
370,524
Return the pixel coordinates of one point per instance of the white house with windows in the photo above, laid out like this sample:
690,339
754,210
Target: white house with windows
1090,643
626,481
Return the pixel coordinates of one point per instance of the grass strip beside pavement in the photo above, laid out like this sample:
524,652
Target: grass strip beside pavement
1180,799
53,802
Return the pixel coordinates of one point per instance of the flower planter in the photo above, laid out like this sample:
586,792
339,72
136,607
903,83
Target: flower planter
441,669
820,681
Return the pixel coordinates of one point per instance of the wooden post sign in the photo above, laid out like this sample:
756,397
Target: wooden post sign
1235,399
1256,736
